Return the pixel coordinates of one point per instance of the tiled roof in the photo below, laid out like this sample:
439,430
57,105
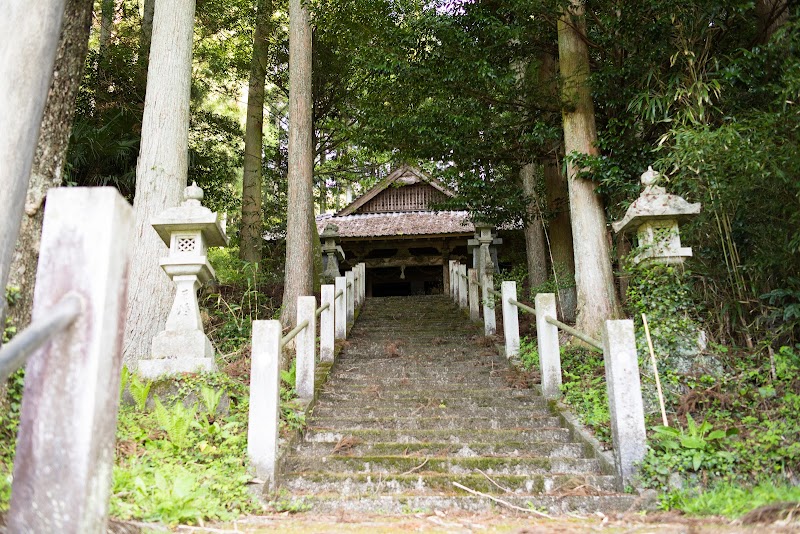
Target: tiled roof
399,224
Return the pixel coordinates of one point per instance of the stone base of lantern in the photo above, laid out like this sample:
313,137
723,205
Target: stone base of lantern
178,352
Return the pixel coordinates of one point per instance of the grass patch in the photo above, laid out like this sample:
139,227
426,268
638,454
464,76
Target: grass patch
731,500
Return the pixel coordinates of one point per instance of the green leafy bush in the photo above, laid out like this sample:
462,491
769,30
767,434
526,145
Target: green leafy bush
584,389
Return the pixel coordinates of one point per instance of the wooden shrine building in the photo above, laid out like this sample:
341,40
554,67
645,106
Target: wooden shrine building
405,245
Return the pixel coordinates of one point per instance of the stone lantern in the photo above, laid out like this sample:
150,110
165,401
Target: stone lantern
655,216
188,230
483,247
331,253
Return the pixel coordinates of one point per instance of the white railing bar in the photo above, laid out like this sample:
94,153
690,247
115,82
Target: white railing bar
322,308
291,335
58,318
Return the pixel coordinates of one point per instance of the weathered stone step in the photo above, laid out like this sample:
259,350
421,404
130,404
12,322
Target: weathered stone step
449,393
434,407
392,465
423,483
427,384
458,423
404,504
461,436
516,449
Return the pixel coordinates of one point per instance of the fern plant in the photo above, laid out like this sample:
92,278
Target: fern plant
176,422
140,391
211,399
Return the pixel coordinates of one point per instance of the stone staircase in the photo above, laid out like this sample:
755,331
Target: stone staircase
417,402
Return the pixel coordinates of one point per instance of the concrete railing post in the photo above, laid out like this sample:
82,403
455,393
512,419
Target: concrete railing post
474,296
306,346
351,299
340,308
362,288
454,281
326,324
356,286
265,398
508,290
624,397
462,287
489,318
547,340
65,446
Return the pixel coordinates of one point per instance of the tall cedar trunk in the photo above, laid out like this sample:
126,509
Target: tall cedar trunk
48,164
299,260
161,171
535,248
559,231
29,35
147,33
107,8
771,15
250,238
597,298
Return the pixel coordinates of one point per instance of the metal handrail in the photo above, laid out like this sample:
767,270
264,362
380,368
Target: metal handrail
322,308
292,333
338,294
565,327
56,320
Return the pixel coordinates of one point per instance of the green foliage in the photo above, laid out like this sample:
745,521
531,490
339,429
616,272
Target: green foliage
140,390
731,500
289,378
529,353
211,398
175,421
9,329
584,389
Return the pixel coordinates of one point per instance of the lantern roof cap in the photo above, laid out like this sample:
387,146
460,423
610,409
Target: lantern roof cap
190,215
653,204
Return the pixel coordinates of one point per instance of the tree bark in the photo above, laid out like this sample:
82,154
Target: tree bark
250,238
51,150
29,34
559,233
771,14
161,172
597,298
299,260
535,247
107,8
147,32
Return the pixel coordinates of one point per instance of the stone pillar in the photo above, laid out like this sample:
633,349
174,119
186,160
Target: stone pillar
445,272
351,300
489,318
624,397
340,306
547,340
265,398
474,296
462,287
306,346
326,324
508,290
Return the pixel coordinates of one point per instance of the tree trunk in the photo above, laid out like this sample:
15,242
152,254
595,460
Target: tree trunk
535,247
597,298
161,171
107,9
559,234
771,14
48,163
299,261
250,238
29,35
147,32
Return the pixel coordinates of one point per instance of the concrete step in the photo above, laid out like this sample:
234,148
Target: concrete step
514,449
461,436
423,483
359,394
453,423
454,465
432,408
405,504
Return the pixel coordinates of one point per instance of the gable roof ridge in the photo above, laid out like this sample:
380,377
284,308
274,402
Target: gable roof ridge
389,180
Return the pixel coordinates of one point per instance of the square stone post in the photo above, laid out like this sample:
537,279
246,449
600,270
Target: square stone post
65,445
265,398
508,290
489,318
326,326
462,287
624,397
351,299
340,307
362,283
547,340
474,296
306,346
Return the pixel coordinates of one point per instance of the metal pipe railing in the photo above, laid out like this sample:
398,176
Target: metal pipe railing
56,320
577,333
338,294
293,333
322,308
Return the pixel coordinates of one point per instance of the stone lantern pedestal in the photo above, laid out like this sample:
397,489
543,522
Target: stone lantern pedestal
332,253
188,230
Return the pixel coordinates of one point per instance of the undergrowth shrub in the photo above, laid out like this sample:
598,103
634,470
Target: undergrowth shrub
584,389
